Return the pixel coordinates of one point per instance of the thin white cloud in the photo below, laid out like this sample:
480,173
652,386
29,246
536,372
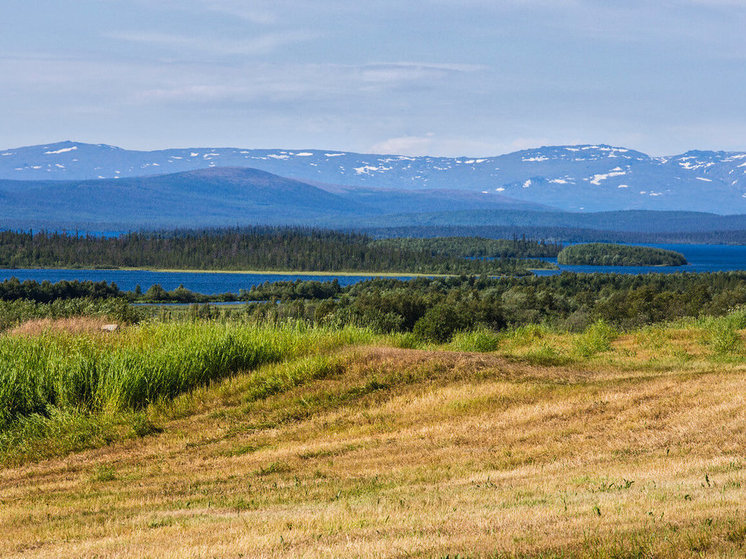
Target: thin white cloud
260,44
454,146
405,145
251,11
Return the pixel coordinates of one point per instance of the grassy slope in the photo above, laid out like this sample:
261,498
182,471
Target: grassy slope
555,445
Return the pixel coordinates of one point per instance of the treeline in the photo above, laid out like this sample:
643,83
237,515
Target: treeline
432,308
606,254
475,247
14,290
564,234
438,307
256,248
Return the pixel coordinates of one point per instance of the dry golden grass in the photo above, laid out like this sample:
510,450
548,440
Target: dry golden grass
638,452
74,325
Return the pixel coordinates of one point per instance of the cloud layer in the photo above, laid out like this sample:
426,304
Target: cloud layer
472,77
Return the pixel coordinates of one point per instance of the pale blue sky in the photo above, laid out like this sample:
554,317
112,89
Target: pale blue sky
441,77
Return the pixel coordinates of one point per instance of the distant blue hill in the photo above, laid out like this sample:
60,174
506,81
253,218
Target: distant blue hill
217,197
571,178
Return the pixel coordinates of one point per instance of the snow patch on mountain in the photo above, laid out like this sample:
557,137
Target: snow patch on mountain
616,172
566,177
63,150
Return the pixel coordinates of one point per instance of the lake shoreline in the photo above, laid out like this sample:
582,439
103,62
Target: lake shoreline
245,272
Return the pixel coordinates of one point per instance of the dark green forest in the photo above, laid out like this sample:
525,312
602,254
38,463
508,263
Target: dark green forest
474,247
435,308
566,301
563,234
261,248
606,254
13,290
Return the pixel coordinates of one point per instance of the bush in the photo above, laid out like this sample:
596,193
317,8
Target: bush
482,340
723,337
597,338
438,324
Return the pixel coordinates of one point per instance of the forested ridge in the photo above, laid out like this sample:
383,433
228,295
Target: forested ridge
606,254
563,234
256,248
475,247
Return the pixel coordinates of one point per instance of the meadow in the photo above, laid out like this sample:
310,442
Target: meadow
223,438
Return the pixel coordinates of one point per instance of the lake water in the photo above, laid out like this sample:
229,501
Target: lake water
702,258
207,283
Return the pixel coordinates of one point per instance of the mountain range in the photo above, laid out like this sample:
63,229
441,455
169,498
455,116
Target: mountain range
218,197
72,184
570,178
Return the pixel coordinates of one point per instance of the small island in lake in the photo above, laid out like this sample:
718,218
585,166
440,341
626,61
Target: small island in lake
606,254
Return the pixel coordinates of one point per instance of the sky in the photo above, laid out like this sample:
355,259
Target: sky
415,77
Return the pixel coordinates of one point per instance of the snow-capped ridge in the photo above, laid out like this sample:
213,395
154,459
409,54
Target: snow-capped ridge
588,176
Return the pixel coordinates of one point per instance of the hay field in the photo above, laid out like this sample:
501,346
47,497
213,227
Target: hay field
601,444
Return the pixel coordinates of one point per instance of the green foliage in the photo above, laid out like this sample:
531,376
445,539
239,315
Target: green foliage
142,365
276,380
527,335
481,339
721,333
45,292
142,426
405,340
253,248
565,301
605,254
474,247
439,323
597,338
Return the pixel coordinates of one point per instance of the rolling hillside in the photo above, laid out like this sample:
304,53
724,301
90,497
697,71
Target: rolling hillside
215,197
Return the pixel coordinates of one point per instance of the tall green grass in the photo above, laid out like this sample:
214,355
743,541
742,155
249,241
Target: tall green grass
143,364
479,339
722,333
595,339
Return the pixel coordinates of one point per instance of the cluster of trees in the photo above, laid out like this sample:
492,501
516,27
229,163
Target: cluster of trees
14,290
475,247
606,254
291,290
567,234
437,307
255,248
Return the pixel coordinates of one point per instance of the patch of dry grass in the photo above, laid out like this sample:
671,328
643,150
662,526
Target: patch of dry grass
397,452
74,325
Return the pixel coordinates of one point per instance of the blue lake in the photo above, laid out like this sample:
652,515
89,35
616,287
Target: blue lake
200,282
702,258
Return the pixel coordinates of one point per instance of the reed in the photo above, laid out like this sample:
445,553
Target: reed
143,364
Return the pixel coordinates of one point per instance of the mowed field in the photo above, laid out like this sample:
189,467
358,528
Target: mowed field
552,445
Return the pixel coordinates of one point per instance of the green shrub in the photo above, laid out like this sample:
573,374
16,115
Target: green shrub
481,339
526,335
597,338
723,338
438,324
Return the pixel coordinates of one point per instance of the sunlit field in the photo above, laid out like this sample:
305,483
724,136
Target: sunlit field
227,440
